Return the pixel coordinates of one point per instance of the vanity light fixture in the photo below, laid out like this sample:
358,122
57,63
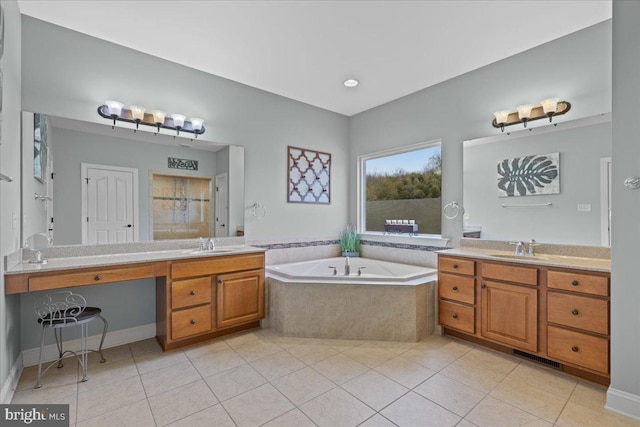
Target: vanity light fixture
158,119
526,113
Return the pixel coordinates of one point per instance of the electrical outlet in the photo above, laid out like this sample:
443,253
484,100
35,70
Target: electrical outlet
586,207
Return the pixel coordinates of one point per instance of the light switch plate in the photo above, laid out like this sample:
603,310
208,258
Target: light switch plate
586,207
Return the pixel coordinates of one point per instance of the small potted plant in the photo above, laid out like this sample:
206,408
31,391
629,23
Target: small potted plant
350,242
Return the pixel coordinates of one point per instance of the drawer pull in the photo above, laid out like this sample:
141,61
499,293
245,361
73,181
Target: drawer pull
220,281
193,322
574,349
455,265
455,316
574,312
575,283
96,278
192,292
455,288
483,286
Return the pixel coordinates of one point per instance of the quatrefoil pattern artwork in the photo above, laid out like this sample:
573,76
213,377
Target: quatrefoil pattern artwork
309,176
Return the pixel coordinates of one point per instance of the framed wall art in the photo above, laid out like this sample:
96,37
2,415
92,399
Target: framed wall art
309,176
529,175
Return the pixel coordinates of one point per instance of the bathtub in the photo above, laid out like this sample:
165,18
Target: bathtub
386,302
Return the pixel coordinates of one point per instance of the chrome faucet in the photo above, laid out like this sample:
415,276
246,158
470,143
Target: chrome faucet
520,248
206,245
210,245
347,267
532,244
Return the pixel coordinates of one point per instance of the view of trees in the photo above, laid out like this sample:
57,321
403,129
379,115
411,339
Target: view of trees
407,185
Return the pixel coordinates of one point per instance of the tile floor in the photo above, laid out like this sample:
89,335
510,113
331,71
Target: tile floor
259,378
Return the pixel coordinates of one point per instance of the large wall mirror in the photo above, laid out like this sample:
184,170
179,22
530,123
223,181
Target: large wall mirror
88,183
577,212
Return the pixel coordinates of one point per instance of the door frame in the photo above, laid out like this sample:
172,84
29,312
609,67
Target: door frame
85,196
605,198
218,208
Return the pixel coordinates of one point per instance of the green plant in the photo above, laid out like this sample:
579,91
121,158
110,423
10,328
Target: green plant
350,240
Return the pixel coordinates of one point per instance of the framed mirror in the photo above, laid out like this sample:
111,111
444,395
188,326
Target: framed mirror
578,213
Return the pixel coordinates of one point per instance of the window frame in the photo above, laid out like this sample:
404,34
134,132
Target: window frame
362,182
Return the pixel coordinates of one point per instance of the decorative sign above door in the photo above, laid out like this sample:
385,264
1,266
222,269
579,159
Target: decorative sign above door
187,164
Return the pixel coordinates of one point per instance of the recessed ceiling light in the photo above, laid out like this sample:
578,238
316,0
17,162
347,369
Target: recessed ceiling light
351,83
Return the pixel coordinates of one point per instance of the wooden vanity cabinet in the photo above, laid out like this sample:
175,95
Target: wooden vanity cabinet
559,314
208,297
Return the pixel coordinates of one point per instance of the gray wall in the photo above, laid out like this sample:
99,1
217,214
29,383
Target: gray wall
580,152
80,72
71,148
625,291
10,192
462,108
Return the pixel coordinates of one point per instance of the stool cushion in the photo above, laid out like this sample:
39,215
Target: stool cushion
88,314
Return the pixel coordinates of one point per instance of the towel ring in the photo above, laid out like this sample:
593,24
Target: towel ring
454,209
259,211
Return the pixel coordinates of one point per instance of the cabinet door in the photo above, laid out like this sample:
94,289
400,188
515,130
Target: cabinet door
240,298
510,314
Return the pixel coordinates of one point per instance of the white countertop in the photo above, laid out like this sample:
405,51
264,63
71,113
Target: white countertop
541,259
56,264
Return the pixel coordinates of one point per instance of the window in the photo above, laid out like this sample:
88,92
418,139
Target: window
401,185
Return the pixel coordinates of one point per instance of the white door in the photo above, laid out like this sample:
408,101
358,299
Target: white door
110,204
222,206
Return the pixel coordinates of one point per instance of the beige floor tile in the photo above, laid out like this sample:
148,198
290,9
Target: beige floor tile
377,421
257,349
303,385
193,352
405,372
545,379
67,394
589,394
375,389
135,415
111,354
530,399
414,410
210,417
292,418
220,361
257,406
241,338
340,368
370,356
53,378
575,415
499,362
466,423
312,353
153,361
396,347
235,381
492,412
287,342
276,365
436,341
181,402
108,373
176,375
336,408
452,395
150,345
438,358
101,400
480,377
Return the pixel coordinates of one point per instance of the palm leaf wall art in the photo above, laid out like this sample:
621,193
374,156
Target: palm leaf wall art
529,175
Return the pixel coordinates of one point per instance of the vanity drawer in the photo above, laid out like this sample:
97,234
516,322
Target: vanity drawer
576,282
191,321
510,273
590,314
190,292
457,316
216,265
457,288
579,349
92,277
456,265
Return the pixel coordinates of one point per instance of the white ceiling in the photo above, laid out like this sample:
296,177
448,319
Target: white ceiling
304,50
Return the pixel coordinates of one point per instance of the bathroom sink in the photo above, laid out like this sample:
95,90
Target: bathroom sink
522,257
208,251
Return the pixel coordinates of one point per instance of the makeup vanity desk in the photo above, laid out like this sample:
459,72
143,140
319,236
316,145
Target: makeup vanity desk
199,294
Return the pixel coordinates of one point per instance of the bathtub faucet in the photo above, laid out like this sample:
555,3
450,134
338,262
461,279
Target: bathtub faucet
347,267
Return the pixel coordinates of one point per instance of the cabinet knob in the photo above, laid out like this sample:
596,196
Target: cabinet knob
455,316
220,282
483,286
574,349
96,278
575,283
455,288
574,312
192,292
455,265
193,322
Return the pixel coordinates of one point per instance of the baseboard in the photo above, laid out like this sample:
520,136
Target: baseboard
623,403
10,385
113,339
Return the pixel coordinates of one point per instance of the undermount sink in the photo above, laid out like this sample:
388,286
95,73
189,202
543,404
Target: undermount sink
522,257
209,251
